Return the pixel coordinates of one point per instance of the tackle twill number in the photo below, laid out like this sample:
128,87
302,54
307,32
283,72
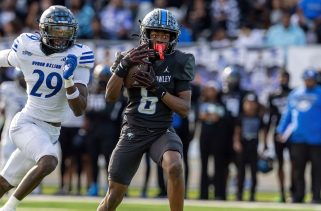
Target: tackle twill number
147,104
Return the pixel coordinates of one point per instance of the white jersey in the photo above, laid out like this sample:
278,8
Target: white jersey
13,99
43,74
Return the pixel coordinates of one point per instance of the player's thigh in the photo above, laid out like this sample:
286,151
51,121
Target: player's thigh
169,141
7,148
127,155
34,139
17,167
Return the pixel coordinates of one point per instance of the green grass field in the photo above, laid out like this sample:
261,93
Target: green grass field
41,205
48,202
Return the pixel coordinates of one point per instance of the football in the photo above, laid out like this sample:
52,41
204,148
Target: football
129,81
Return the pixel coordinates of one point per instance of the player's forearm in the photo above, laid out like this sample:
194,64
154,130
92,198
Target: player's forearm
78,103
4,58
113,88
177,104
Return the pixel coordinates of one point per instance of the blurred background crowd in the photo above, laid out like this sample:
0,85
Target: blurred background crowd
250,55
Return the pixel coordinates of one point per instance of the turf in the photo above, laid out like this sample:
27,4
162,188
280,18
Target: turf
87,206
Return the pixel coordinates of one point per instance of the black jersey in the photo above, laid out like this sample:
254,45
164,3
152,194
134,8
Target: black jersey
277,105
144,109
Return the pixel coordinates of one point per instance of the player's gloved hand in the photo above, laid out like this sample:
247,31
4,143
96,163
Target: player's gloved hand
69,66
148,80
118,56
134,56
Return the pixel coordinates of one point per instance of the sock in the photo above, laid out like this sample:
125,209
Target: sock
12,203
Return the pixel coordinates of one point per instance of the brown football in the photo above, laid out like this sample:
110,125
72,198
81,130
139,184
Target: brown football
129,81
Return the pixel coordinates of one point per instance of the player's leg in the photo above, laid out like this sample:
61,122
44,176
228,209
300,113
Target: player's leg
114,196
241,163
123,165
7,148
173,166
37,141
44,167
279,148
15,169
167,151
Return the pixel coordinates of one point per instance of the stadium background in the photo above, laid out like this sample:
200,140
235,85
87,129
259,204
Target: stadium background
259,61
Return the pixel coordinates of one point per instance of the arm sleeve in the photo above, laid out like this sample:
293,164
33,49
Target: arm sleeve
188,69
182,86
16,51
186,75
82,75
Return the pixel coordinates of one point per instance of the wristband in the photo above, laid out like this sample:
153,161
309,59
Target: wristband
160,91
69,83
121,71
74,95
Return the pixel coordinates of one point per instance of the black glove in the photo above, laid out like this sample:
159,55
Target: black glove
148,80
135,56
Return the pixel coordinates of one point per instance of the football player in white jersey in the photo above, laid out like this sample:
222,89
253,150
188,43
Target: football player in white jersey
13,97
57,71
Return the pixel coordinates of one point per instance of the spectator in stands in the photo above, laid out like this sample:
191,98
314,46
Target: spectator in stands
12,28
35,10
255,12
285,34
249,37
309,12
226,14
245,143
84,13
219,39
198,18
117,20
301,126
97,28
7,12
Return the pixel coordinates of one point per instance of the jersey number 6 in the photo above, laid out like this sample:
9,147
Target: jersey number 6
147,104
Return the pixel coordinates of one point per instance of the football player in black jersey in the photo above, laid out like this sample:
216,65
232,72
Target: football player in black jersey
147,126
277,105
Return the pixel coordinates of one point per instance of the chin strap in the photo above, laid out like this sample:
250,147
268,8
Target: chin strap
4,58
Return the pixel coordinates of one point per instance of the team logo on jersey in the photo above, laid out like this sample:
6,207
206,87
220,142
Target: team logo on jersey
166,70
130,136
28,53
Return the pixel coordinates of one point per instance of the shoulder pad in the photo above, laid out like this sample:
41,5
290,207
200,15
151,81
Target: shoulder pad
186,65
27,43
84,54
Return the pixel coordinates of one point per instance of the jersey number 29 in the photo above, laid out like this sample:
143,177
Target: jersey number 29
49,83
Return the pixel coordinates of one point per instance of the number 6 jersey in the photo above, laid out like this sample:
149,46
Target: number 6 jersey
174,73
43,74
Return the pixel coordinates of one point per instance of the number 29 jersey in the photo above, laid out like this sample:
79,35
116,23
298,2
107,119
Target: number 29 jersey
175,73
43,74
